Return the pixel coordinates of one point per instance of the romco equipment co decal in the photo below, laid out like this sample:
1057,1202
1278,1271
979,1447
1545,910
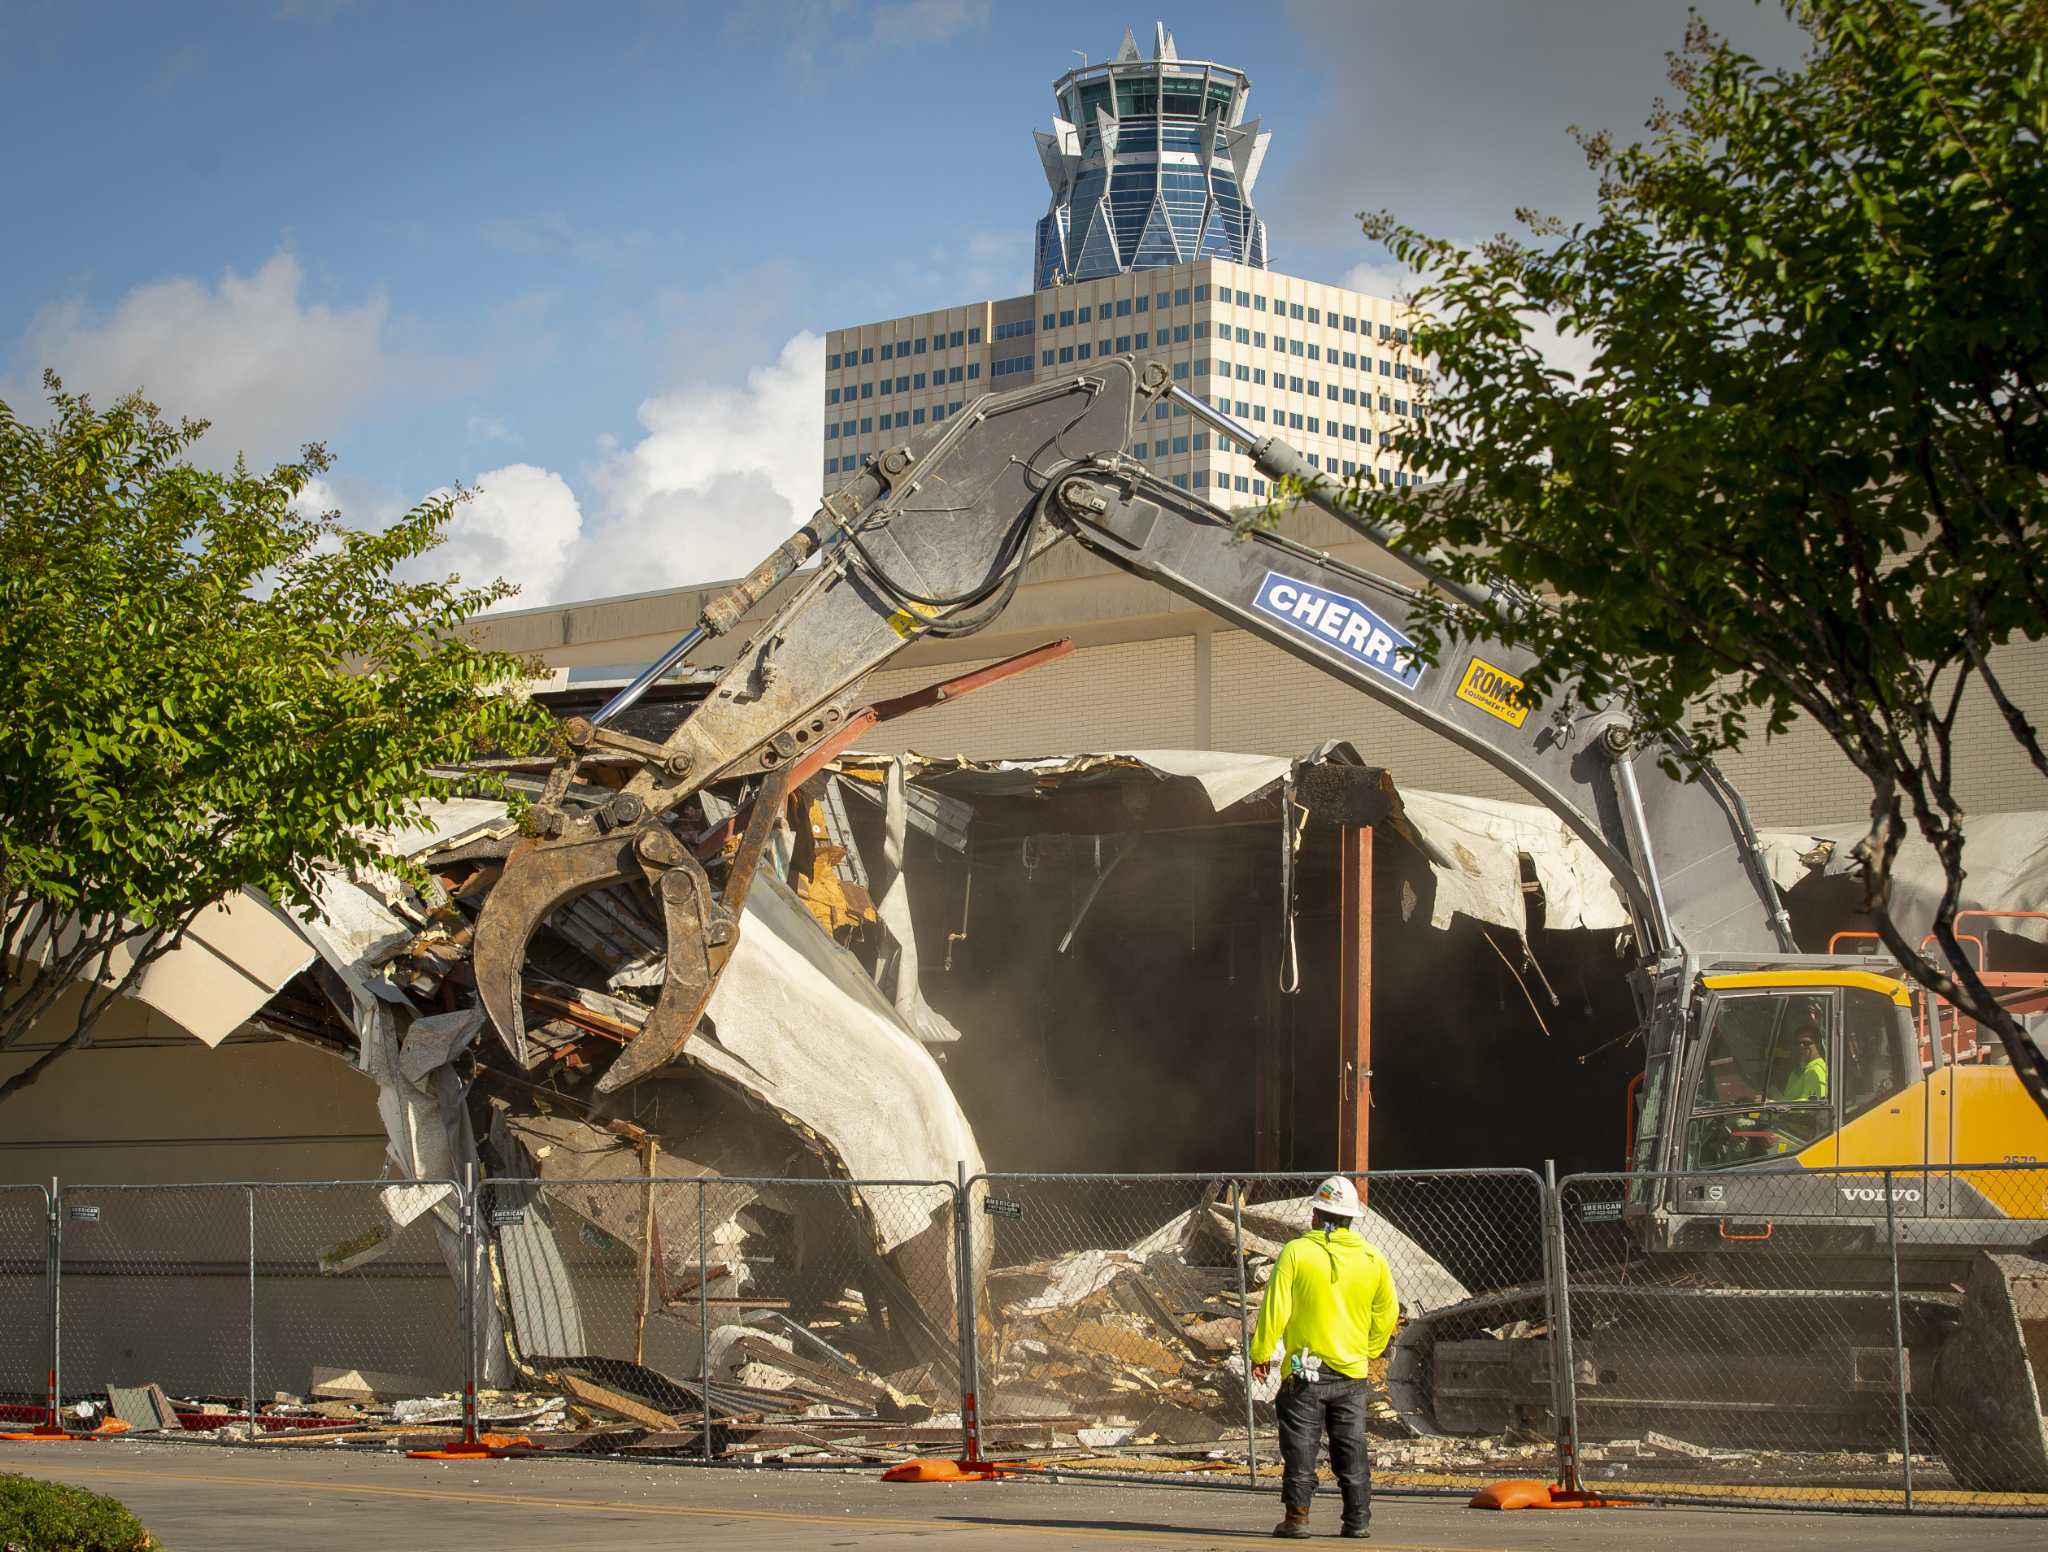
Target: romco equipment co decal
1343,623
1494,691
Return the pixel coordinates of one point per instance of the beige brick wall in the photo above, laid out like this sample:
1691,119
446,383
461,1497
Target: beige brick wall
1134,695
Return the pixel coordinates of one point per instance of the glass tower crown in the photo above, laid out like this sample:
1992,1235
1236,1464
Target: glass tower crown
1151,164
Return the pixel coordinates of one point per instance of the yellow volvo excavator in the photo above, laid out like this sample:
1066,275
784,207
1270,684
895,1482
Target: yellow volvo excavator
1759,1060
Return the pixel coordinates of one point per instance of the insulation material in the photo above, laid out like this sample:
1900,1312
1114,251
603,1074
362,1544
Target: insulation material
2005,859
796,1023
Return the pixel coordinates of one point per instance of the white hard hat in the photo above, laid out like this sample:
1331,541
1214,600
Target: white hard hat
1338,1197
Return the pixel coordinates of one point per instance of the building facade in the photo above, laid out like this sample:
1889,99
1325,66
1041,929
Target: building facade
1328,369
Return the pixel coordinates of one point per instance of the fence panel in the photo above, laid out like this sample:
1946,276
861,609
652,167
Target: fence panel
1978,1399
358,1303
1780,1336
155,1289
26,1358
1117,1310
804,1321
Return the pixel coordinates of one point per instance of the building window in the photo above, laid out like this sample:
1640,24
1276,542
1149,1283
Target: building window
1315,426
1159,448
1312,318
1087,315
938,413
1314,388
882,387
832,431
1258,487
1067,318
1350,324
920,344
1123,344
1294,422
1085,349
1201,366
1259,376
867,355
902,418
1009,365
888,351
973,370
1180,481
1293,384
1180,297
1400,406
1047,322
1386,332
1123,307
1294,311
832,362
903,384
1243,373
953,374
1314,462
1242,483
1163,300
1244,410
1180,371
1386,404
1258,302
1201,293
831,465
1258,412
917,417
1201,331
974,335
917,380
1201,479
867,390
1244,299
1144,304
957,340
1144,341
1180,444
1294,347
1259,341
867,424
1201,442
1066,352
1102,348
1045,358
1314,354
831,395
1180,334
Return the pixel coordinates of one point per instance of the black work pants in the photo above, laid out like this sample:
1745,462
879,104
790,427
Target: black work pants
1305,1410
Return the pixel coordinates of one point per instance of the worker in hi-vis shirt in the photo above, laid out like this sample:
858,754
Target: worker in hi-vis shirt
1329,1311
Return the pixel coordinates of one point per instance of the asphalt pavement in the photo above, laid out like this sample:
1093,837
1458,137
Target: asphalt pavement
228,1499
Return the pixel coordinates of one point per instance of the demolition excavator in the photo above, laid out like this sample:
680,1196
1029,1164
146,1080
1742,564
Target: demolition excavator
1747,1185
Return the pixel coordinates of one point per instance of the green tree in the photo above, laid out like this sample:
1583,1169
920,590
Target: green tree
203,688
1803,474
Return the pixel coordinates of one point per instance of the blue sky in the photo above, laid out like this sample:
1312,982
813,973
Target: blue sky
582,255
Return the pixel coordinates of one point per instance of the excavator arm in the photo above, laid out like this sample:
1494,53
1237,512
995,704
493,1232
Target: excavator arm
933,538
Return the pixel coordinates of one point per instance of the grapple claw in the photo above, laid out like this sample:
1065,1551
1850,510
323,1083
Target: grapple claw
541,876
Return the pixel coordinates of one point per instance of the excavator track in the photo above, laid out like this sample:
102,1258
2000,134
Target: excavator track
1662,1348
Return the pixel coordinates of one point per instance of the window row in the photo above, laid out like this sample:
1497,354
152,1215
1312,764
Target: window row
903,350
1280,309
1123,307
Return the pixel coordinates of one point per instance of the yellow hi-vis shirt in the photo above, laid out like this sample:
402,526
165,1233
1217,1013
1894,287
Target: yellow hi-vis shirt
1330,1294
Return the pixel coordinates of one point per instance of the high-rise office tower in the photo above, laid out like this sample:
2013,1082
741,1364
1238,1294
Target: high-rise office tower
1151,248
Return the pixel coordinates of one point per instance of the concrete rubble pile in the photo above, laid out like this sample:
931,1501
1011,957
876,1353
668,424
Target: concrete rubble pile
1136,1354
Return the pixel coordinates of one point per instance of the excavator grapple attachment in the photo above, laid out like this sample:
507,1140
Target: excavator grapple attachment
700,926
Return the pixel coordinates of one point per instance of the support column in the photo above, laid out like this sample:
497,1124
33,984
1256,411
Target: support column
1354,998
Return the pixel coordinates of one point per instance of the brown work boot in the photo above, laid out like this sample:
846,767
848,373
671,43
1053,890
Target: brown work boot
1295,1526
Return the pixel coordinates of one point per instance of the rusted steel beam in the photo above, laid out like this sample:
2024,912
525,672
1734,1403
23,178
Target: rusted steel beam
962,684
1354,999
812,761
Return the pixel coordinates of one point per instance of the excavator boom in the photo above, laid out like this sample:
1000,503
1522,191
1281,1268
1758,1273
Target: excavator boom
932,539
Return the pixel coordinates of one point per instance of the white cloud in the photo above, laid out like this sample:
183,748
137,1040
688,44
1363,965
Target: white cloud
718,477
520,523
268,369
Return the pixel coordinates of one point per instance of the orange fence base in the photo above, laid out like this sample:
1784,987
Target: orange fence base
1528,1493
111,1428
490,1446
932,1469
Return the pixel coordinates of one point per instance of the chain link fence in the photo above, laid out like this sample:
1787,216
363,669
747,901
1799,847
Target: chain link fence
26,1287
1857,1338
730,1319
1115,1317
1851,1338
